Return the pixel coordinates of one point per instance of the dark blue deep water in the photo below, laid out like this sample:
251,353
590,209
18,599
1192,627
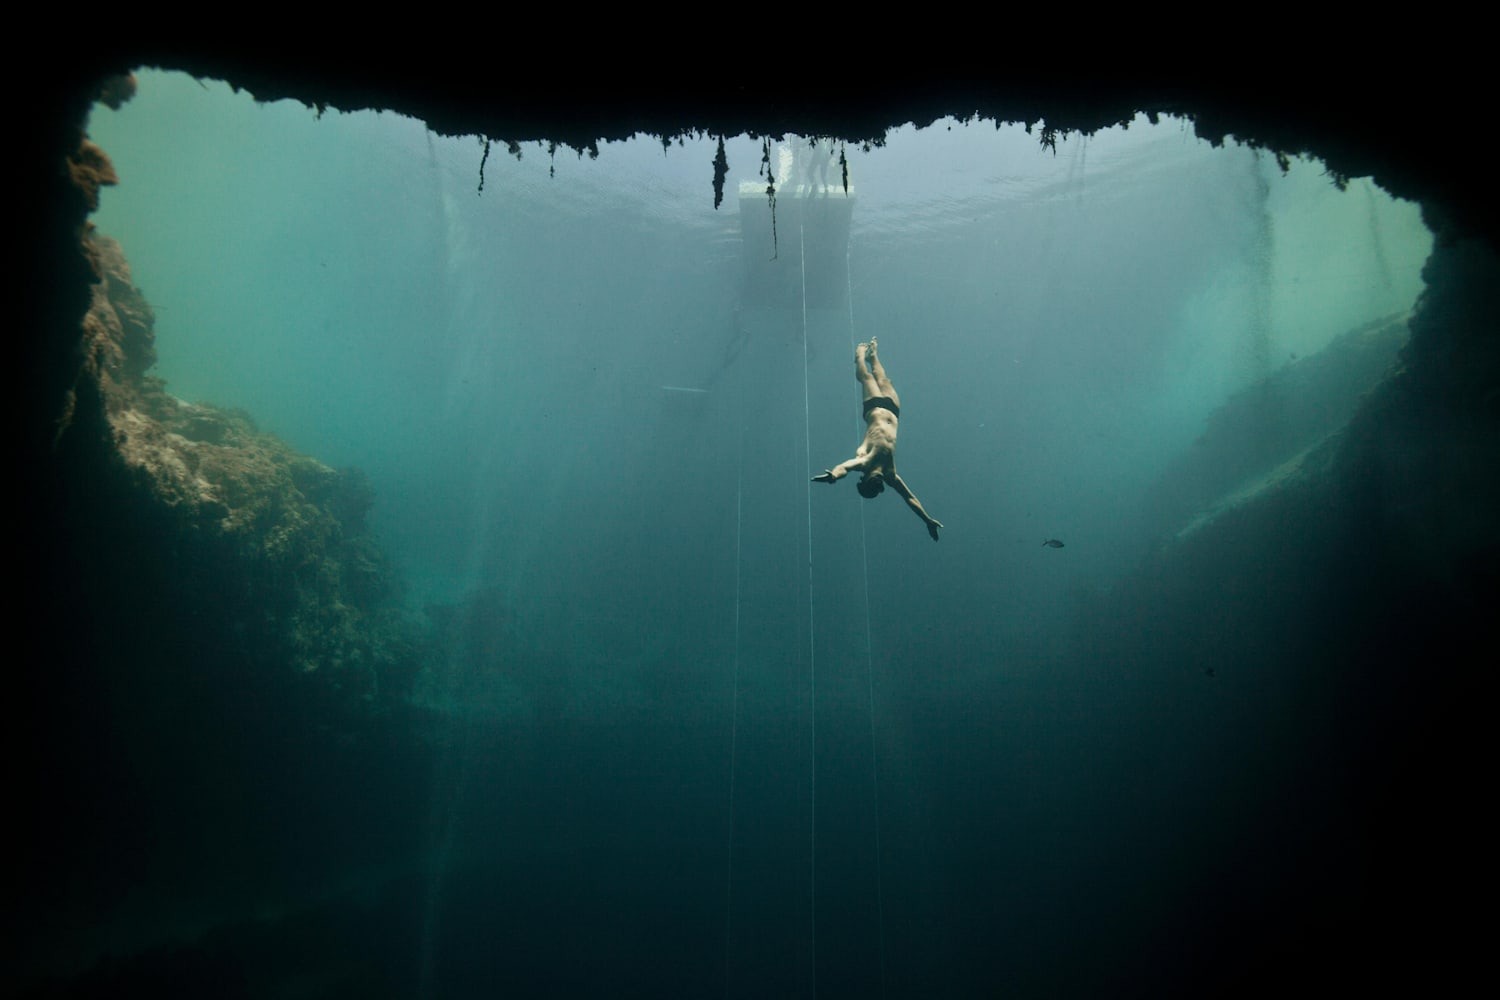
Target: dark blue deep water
710,729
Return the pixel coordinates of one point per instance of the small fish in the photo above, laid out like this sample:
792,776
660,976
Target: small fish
1053,543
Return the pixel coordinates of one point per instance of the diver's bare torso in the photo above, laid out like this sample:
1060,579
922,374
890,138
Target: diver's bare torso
877,452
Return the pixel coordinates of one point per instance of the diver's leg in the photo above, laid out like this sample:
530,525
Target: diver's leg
866,380
883,385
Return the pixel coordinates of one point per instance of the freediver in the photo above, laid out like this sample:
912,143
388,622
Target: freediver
876,456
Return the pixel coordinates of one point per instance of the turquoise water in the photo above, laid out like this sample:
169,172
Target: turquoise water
992,800
1059,324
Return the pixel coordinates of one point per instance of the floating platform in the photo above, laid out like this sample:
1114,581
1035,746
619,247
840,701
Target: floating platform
811,220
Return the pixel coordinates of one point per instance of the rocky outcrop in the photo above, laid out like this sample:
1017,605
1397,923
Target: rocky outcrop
280,537
1266,432
214,656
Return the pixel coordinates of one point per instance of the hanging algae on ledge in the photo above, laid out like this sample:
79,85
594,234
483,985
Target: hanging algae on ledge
721,170
769,173
482,161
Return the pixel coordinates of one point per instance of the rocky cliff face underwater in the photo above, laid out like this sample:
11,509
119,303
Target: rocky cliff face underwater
254,770
276,540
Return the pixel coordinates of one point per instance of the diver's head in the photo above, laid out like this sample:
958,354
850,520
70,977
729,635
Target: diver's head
870,486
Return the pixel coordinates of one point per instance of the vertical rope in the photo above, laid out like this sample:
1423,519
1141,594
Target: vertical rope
869,664
734,714
812,657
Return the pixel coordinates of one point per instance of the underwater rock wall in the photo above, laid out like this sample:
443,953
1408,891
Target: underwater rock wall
220,673
1325,640
279,538
1264,431
1407,479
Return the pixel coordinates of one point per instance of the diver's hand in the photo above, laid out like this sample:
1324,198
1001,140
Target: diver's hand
932,528
826,476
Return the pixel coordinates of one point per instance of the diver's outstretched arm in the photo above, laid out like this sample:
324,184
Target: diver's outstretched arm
833,475
933,524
